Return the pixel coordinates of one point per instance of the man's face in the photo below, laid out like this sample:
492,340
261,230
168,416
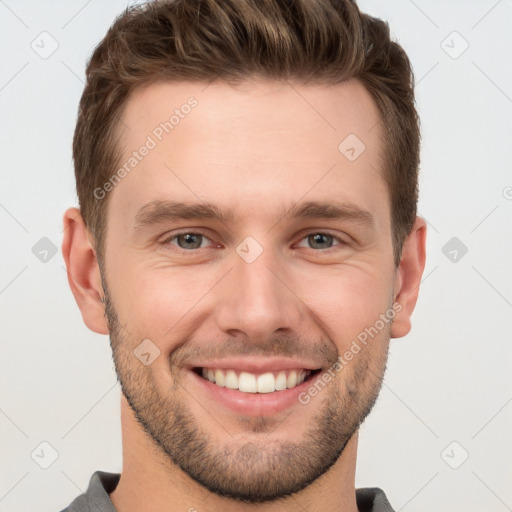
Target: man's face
261,286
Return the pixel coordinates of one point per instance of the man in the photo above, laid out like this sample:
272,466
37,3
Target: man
247,236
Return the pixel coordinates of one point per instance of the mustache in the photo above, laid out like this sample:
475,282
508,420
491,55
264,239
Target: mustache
278,346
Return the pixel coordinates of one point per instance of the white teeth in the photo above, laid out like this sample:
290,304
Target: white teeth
265,383
250,383
231,380
219,378
281,381
291,381
247,382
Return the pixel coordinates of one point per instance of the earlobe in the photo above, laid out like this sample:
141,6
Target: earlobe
83,271
408,277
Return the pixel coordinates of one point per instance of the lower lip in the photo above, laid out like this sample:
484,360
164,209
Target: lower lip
253,404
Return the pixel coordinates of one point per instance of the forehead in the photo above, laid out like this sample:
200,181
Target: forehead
259,108
251,144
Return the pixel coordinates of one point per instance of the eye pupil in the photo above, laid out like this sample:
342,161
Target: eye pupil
190,238
320,238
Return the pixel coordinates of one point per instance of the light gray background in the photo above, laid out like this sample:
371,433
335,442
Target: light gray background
449,380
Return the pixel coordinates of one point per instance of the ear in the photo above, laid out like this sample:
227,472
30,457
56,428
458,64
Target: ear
408,277
83,271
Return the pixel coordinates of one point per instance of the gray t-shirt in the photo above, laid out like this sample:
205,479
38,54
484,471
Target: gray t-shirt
96,498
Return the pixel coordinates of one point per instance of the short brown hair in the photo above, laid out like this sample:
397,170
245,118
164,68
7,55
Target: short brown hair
309,41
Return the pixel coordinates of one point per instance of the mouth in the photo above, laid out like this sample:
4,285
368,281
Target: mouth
255,386
271,382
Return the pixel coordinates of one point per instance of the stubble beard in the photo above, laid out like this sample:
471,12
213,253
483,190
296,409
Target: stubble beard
259,471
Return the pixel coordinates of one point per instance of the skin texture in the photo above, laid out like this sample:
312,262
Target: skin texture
258,148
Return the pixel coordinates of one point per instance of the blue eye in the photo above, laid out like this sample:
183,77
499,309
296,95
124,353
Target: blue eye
192,240
187,240
321,241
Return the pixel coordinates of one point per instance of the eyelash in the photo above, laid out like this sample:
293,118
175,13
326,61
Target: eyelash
174,236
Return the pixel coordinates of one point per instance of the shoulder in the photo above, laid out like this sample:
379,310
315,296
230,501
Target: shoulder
96,498
79,504
372,499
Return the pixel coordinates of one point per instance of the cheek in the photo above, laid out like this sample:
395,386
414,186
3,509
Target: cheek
347,300
159,302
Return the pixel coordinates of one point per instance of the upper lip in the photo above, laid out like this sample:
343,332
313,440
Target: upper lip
256,365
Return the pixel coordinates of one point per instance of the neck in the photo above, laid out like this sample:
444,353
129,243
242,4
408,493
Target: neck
151,482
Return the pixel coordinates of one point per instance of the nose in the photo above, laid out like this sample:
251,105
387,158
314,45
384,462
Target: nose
258,300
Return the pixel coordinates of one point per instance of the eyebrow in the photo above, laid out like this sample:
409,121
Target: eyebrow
159,211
